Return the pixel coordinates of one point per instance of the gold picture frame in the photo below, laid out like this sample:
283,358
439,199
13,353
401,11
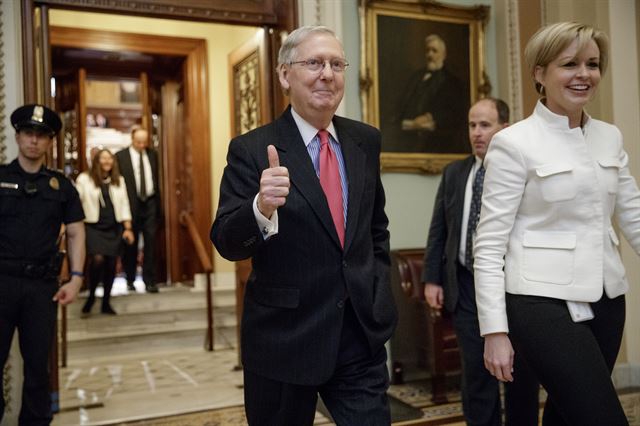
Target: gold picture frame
417,97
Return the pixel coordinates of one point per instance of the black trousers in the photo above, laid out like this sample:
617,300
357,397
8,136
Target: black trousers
145,222
480,390
573,361
355,395
26,304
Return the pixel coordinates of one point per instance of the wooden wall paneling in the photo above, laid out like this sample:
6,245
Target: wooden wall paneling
529,20
170,149
267,67
280,101
28,51
246,12
114,41
81,108
144,100
196,95
45,57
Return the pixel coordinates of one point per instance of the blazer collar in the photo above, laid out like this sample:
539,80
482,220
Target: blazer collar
556,121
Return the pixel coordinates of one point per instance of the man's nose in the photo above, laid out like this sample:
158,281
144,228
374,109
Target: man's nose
326,72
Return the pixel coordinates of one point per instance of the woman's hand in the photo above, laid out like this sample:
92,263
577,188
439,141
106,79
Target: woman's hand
498,356
128,236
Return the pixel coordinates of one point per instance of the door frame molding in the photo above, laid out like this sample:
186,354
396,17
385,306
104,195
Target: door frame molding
196,116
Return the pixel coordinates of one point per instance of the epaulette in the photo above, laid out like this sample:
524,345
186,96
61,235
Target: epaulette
58,172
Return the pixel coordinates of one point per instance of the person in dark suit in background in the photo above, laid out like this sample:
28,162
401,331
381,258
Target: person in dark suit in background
303,198
139,167
448,277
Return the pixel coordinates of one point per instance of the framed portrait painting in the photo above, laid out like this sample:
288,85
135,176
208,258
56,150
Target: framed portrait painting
422,69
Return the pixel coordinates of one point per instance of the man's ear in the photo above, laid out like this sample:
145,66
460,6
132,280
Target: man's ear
283,76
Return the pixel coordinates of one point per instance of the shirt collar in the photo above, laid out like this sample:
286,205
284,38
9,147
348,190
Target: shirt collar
14,167
555,120
132,150
308,132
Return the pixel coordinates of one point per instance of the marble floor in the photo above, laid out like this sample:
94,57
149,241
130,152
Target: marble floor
148,361
153,375
113,389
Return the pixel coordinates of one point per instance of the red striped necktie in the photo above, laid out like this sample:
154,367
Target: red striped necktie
330,182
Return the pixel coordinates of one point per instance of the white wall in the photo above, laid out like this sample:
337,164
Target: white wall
626,109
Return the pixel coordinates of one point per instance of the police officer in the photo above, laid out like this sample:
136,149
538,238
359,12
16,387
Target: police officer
34,203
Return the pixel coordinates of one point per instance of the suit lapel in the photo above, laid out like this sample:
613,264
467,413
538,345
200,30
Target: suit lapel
127,165
354,160
294,155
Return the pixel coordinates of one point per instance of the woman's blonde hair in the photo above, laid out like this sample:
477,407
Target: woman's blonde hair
549,41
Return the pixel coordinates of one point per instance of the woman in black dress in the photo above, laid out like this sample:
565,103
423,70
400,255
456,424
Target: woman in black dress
107,222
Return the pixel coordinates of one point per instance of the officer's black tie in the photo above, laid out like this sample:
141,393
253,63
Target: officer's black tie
143,180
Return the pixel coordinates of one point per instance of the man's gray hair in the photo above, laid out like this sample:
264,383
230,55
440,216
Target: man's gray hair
438,39
287,53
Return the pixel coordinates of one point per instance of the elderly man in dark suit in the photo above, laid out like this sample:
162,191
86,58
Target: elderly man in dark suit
448,277
302,197
434,105
139,167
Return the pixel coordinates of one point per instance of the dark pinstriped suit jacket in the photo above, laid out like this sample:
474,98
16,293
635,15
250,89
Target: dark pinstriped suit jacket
293,307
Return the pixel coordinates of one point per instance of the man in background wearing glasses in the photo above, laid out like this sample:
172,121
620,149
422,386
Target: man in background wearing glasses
34,202
302,197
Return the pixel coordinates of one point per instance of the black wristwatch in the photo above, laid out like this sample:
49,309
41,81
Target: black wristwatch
77,274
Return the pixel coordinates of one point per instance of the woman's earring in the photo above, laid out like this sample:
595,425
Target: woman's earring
541,89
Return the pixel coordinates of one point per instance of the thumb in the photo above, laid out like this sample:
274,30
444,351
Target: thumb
272,153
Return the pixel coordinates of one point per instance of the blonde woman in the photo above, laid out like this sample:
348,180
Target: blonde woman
549,280
107,221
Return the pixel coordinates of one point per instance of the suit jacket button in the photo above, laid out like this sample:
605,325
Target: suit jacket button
341,304
344,263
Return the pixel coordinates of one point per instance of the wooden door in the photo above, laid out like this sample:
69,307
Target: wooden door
71,104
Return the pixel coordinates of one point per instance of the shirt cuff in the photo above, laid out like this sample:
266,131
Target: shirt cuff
268,228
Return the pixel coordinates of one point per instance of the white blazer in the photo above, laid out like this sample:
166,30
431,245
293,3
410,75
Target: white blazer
549,196
90,198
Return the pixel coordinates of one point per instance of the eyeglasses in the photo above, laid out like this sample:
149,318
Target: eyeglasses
317,64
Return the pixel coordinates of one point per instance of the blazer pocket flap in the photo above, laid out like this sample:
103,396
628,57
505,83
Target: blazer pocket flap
553,169
610,162
278,297
557,240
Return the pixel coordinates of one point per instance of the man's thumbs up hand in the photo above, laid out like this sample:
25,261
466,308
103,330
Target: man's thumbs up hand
274,185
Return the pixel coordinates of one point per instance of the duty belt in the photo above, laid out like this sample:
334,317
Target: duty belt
26,270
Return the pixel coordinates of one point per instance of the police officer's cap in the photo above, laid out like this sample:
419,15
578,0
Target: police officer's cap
36,117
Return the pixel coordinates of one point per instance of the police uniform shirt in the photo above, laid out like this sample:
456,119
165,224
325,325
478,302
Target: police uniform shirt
32,208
